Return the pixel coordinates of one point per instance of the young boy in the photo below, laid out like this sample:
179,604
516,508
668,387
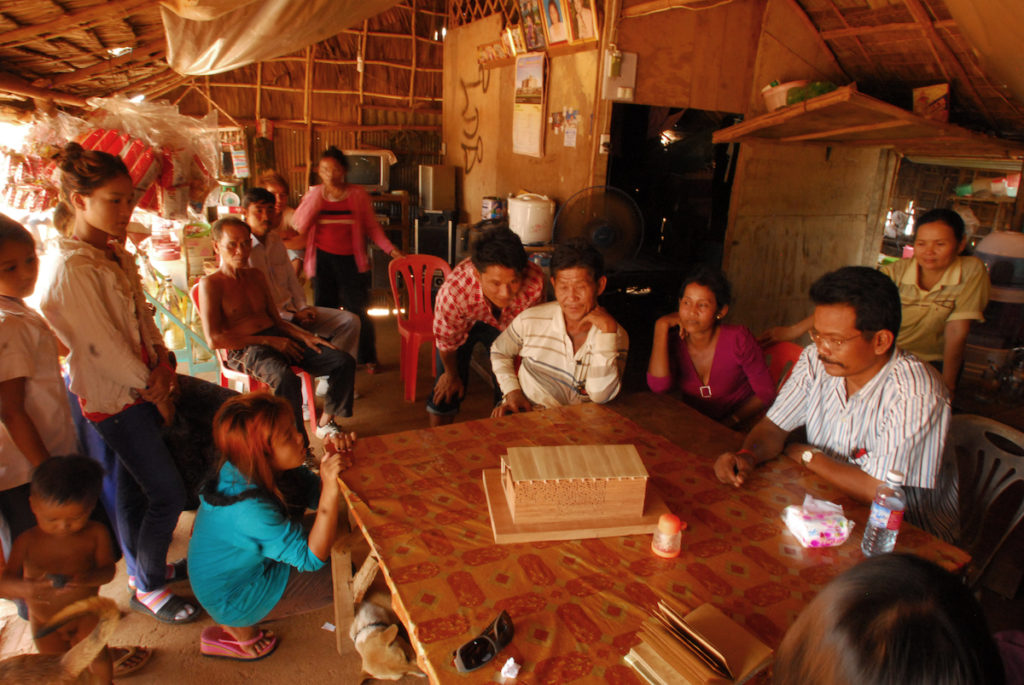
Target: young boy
65,557
240,316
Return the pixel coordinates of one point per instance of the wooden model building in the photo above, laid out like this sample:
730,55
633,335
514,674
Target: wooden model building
570,482
570,492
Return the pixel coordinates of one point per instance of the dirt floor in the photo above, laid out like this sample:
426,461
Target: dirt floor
307,652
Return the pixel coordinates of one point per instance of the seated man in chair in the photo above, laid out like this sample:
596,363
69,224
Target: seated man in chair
867,405
572,350
270,256
240,316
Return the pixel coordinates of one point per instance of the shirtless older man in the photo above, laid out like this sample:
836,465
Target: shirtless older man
240,316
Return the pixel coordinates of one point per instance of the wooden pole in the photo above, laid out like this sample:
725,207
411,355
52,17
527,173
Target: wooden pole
412,75
362,78
259,91
307,114
214,105
12,84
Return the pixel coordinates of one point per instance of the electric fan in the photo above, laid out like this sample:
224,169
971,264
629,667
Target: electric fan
607,217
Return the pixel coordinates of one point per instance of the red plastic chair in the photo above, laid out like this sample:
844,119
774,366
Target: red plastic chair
417,327
250,384
781,358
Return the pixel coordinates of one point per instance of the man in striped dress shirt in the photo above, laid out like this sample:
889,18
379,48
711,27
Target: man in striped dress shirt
866,405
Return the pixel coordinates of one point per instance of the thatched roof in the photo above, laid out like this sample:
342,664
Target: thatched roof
85,48
886,46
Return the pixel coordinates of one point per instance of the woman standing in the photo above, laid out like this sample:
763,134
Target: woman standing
338,219
718,367
120,370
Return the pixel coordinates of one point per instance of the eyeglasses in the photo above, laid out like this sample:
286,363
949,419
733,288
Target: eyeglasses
480,650
831,342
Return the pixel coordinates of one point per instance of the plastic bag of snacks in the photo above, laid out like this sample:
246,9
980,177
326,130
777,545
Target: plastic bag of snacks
817,523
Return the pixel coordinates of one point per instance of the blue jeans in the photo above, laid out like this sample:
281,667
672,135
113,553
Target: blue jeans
150,491
482,333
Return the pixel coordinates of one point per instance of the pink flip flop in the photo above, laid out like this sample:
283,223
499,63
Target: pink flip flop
219,643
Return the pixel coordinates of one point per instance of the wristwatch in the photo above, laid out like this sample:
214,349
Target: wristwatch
806,457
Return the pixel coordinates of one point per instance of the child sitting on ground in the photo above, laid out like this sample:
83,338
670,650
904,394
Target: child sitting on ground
65,557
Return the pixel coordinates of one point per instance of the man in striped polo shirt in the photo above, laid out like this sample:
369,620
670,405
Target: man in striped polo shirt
572,350
867,406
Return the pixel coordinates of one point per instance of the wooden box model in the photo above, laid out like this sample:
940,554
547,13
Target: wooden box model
573,483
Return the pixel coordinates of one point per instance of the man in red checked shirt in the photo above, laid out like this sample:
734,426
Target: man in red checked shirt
476,302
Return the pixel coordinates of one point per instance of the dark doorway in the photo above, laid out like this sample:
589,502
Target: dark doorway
665,160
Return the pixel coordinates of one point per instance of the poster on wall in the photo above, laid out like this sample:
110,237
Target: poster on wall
528,115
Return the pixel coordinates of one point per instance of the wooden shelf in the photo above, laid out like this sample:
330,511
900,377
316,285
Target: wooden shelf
848,116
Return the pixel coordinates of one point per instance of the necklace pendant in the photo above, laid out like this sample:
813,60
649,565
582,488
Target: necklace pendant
705,391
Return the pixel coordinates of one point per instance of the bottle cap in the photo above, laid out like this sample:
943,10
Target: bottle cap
894,476
669,524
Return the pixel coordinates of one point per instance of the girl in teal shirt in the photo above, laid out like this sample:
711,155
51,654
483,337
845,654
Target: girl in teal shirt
248,561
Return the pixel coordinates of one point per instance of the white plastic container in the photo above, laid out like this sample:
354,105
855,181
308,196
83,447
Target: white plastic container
775,96
531,217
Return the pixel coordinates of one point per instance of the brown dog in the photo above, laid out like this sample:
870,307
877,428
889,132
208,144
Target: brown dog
72,667
377,641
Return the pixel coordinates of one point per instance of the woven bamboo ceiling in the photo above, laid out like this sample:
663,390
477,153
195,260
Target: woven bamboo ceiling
68,50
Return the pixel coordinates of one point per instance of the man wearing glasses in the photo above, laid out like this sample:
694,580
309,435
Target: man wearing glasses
867,406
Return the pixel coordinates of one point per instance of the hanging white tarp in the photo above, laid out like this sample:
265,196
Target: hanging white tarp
213,36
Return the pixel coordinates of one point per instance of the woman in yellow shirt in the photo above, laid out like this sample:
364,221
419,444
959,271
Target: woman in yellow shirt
941,293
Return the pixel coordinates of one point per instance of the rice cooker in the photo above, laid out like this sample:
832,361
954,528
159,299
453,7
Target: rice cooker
531,217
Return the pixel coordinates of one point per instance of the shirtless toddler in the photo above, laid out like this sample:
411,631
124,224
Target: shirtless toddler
65,557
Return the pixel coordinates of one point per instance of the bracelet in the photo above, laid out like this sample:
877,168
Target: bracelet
753,457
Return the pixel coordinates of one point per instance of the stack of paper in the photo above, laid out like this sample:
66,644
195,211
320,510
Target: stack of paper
703,647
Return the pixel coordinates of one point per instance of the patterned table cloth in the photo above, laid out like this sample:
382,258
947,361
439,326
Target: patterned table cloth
418,498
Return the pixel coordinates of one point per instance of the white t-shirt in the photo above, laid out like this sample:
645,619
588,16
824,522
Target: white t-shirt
30,352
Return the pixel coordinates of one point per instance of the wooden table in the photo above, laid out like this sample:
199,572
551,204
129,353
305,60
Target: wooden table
417,497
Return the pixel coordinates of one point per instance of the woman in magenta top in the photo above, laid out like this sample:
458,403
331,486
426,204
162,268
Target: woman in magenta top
338,219
719,367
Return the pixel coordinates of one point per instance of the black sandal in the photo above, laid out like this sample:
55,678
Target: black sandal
169,611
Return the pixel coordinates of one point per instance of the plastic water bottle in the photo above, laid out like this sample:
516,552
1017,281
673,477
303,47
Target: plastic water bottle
886,516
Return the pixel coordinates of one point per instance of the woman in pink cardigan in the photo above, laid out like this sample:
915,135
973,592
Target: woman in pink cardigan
719,367
337,219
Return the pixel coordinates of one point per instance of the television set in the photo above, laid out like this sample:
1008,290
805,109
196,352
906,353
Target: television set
370,169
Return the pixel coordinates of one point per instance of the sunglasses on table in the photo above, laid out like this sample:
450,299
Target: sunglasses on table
480,650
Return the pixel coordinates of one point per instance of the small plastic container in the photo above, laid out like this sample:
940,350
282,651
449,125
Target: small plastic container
668,538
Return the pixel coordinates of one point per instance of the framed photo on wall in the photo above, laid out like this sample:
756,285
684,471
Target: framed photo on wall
533,24
555,26
581,18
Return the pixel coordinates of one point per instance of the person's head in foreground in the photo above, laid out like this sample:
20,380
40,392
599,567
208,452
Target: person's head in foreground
939,236
891,620
577,274
500,263
857,315
260,212
704,300
232,241
256,433
63,492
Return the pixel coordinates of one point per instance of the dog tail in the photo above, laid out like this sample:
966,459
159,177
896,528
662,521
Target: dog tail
78,658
